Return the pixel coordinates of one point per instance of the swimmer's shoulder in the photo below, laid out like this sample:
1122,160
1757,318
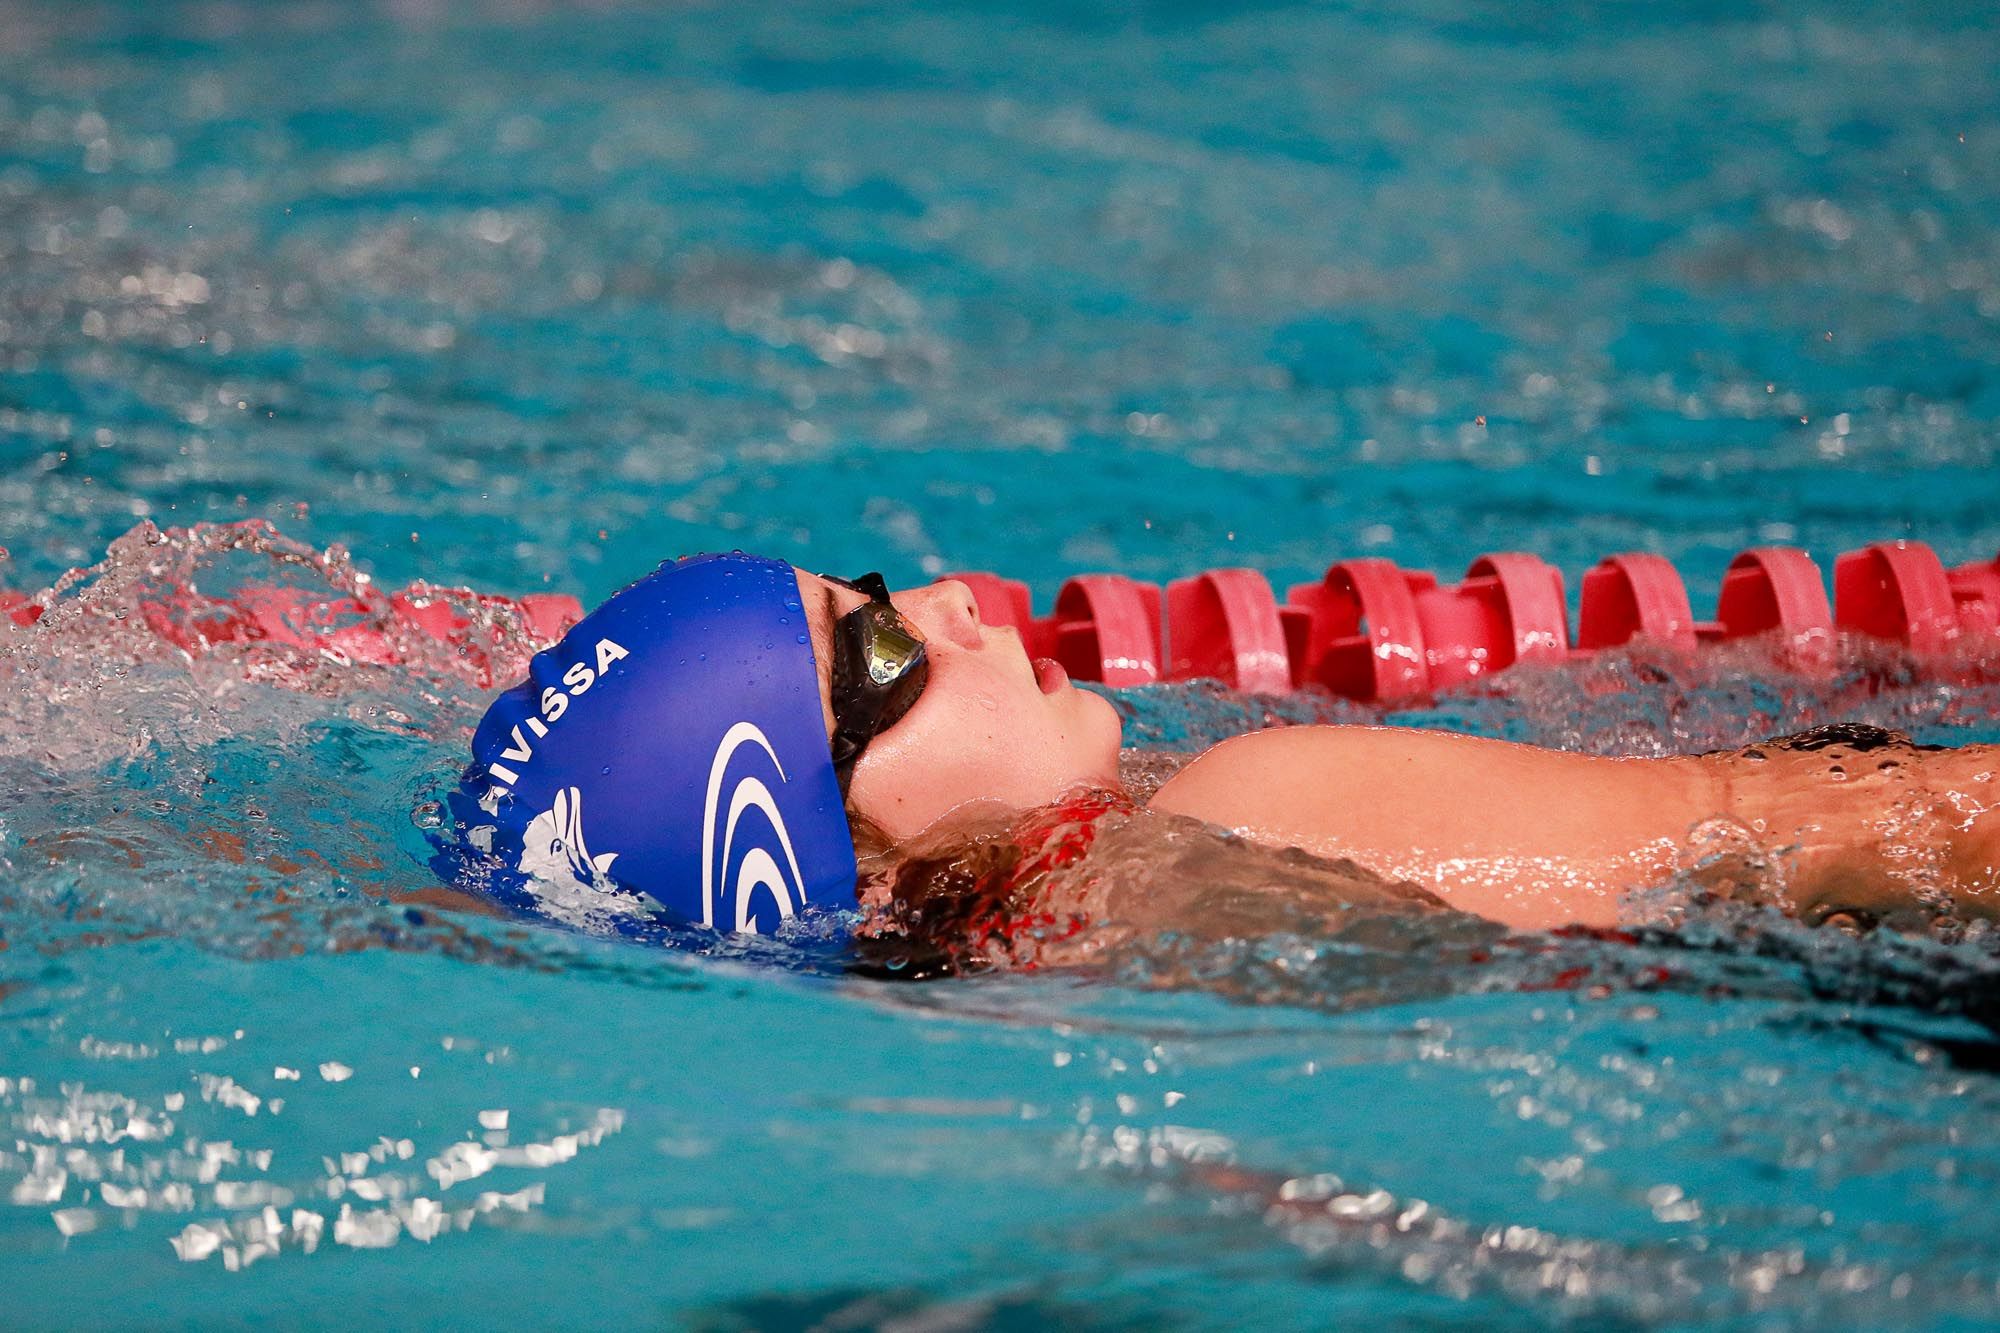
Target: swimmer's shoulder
1210,786
1262,776
1238,780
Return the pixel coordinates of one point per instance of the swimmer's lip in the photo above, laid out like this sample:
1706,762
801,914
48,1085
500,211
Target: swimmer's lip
1050,675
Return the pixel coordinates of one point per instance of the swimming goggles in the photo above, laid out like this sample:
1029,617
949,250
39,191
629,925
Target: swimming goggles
879,669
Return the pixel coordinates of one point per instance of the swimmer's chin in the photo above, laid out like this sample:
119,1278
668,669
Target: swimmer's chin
880,851
980,814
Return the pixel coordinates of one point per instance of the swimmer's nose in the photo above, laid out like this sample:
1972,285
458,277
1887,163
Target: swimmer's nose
945,610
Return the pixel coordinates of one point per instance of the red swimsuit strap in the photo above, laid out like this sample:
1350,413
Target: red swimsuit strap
1058,835
1054,838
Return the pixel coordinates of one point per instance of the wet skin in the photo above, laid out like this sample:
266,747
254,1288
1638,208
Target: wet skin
1538,838
989,729
1528,837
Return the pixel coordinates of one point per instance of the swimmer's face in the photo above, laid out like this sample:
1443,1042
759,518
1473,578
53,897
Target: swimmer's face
990,725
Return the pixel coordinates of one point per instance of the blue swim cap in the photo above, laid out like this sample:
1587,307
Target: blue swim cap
669,755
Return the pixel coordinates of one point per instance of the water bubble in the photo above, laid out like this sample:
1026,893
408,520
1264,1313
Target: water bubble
427,815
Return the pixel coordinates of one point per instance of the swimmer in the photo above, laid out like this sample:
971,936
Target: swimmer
730,741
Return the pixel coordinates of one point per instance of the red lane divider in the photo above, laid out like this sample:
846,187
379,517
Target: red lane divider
1225,625
1975,590
1524,614
1635,595
1364,636
1367,629
1107,628
1371,630
1374,631
17,607
1777,588
339,625
1896,590
546,616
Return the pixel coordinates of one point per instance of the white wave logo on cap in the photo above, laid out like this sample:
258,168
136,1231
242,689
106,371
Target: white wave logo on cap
552,846
759,869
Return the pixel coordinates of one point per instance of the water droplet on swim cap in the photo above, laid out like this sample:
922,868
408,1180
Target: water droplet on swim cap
802,638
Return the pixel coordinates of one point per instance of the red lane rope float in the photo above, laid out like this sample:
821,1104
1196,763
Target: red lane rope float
1364,637
1975,589
1367,629
344,626
1631,596
19,607
1224,625
1522,617
1371,630
1107,628
1777,590
1379,632
335,624
1896,590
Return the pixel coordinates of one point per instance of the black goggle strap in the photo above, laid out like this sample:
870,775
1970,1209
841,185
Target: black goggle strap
870,585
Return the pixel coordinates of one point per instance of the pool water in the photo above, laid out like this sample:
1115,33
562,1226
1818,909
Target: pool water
525,297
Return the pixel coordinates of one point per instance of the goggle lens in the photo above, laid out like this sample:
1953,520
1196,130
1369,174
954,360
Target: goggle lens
893,646
879,670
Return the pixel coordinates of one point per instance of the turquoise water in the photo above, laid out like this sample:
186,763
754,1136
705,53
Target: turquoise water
523,298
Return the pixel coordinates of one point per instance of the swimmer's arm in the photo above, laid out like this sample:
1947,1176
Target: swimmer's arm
1528,837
